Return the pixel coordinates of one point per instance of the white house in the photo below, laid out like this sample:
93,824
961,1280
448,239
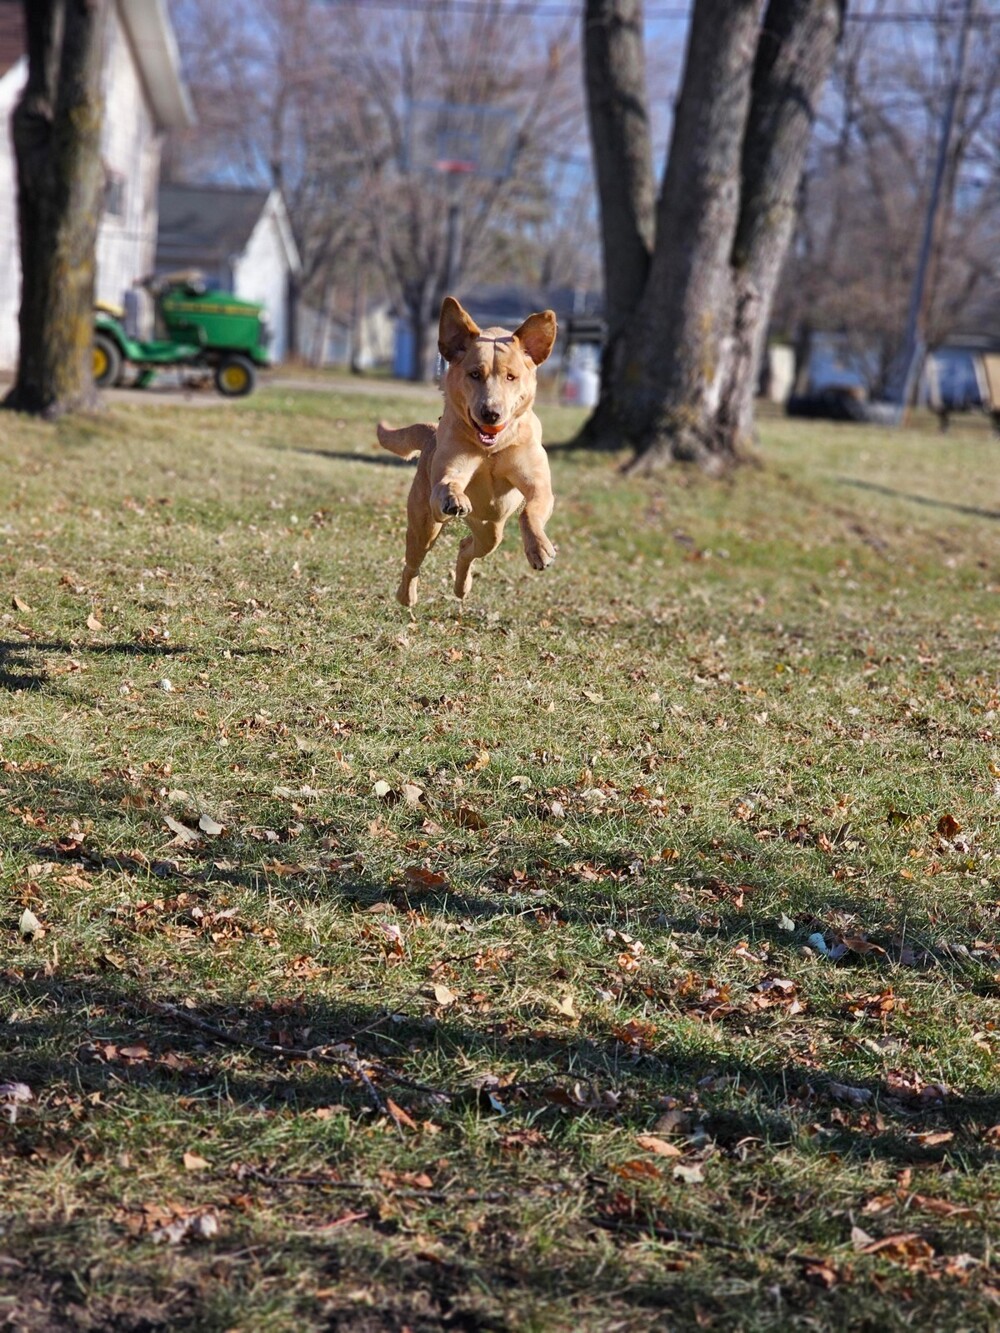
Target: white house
240,239
144,96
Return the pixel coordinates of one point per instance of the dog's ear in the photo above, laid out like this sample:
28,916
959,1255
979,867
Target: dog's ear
456,330
537,335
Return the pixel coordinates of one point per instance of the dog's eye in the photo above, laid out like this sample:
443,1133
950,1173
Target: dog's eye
475,374
512,378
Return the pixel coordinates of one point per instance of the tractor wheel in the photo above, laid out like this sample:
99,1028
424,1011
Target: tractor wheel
235,376
107,362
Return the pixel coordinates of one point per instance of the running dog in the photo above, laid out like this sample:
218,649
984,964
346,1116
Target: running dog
484,458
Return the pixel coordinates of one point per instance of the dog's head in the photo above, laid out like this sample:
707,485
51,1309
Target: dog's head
490,380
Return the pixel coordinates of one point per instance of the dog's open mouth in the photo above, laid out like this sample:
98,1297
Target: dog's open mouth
487,435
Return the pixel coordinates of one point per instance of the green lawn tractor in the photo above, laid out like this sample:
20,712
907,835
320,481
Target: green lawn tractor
212,332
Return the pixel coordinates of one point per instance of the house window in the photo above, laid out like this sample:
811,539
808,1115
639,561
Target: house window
114,194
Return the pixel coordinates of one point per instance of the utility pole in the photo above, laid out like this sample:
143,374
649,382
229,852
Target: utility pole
913,342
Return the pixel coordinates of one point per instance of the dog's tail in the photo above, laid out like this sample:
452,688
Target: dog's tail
408,441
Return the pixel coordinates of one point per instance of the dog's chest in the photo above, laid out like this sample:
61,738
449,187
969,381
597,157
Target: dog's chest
491,495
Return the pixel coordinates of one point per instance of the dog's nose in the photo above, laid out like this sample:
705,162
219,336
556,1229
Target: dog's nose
490,418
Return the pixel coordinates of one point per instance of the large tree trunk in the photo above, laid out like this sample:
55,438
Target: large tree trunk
56,128
618,115
794,55
681,385
665,384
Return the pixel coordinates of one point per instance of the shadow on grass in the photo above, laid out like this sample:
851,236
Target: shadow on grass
973,510
78,1033
734,1096
383,459
22,663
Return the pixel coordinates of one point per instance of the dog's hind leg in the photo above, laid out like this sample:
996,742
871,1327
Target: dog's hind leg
483,538
422,531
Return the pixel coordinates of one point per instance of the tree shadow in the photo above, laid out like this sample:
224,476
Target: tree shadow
383,459
106,1035
20,668
973,510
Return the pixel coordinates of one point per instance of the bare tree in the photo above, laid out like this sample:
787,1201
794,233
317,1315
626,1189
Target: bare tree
867,185
679,384
56,129
319,99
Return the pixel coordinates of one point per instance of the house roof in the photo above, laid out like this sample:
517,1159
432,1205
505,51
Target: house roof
152,39
152,36
205,225
12,37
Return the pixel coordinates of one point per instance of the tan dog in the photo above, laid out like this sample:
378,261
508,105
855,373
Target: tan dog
484,458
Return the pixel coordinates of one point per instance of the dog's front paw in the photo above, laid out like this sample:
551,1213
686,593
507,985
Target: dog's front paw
540,552
453,504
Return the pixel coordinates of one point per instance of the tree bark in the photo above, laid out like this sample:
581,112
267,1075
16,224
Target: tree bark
794,55
618,115
681,385
56,129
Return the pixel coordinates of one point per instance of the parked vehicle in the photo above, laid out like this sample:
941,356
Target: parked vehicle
210,331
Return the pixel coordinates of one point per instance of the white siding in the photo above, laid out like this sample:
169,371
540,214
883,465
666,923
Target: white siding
10,268
260,273
130,147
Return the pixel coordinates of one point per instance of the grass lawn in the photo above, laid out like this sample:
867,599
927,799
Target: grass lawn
619,951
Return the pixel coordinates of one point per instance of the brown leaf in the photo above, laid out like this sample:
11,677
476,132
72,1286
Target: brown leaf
93,623
939,1207
637,1168
444,995
661,1147
933,1139
192,1162
136,1052
948,826
20,604
181,832
468,818
399,1115
419,877
907,1248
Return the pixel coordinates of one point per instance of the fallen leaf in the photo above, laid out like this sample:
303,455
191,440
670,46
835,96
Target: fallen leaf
210,826
29,925
469,818
948,826
939,1207
192,1162
637,1168
444,995
689,1174
566,1007
657,1145
136,1052
399,1115
852,1096
93,623
419,877
20,604
181,831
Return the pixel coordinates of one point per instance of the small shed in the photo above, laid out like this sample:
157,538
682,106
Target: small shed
241,239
